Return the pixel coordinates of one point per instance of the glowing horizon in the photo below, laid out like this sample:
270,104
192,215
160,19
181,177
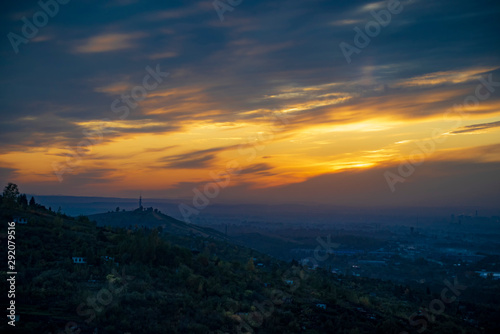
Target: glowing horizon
289,111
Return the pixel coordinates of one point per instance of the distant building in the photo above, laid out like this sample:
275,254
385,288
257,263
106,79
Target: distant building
79,259
323,306
19,220
307,262
488,274
109,259
373,262
242,314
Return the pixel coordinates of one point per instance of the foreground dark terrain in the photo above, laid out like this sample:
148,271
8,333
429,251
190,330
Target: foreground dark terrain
157,275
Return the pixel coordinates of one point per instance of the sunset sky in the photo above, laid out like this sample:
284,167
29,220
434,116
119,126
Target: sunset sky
265,95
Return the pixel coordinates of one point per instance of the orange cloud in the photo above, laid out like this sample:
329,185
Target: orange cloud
446,77
108,42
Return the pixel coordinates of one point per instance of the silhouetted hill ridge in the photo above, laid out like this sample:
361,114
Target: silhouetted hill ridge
153,219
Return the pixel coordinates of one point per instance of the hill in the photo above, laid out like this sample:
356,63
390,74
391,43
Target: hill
150,218
146,280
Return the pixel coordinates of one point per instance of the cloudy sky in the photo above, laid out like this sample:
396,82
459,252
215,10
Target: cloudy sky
277,101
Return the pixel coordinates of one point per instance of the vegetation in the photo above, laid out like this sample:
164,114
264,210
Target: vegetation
147,280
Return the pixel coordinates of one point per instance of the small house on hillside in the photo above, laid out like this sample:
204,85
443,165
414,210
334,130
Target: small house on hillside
79,259
107,258
323,306
19,220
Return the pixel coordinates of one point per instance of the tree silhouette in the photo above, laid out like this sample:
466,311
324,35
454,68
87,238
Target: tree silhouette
11,191
22,200
250,265
10,194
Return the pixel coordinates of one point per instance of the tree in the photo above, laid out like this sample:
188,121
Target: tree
32,202
10,194
22,200
11,191
250,266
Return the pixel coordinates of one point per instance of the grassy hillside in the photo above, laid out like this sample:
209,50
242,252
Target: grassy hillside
147,280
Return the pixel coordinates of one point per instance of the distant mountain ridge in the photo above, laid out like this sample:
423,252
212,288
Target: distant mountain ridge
152,219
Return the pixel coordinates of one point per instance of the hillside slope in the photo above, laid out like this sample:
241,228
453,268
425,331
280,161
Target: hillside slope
145,281
153,219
